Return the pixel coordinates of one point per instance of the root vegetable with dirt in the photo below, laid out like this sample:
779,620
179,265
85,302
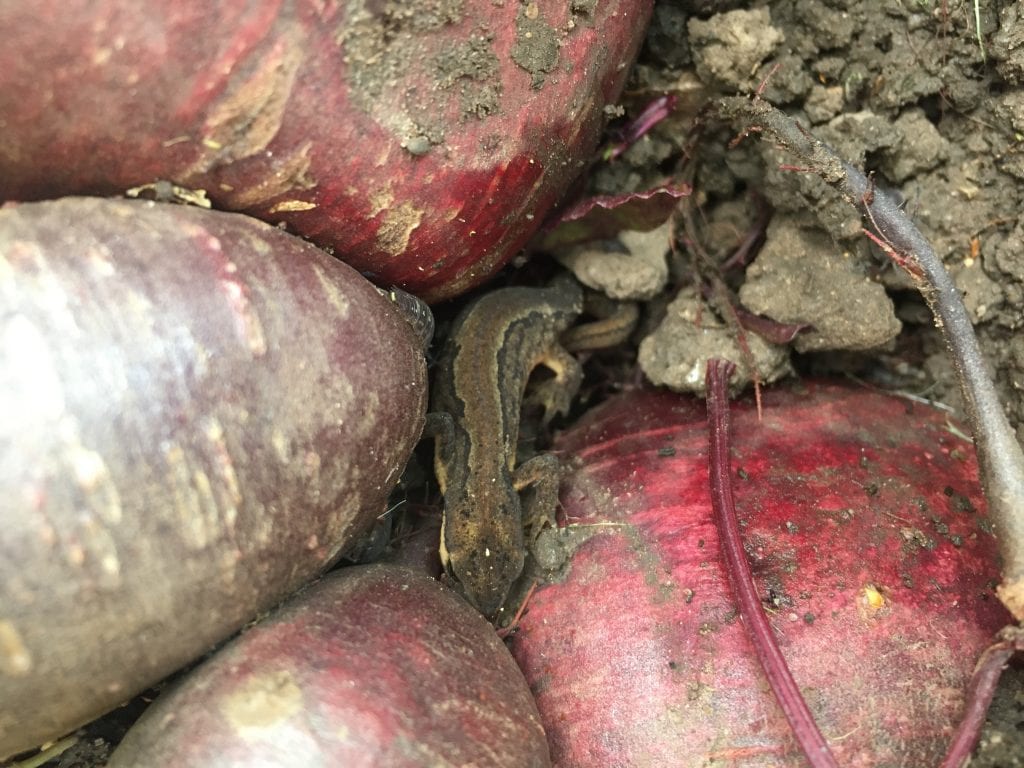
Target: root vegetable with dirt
422,142
999,454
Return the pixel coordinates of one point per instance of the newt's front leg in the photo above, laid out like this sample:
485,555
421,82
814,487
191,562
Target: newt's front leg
543,474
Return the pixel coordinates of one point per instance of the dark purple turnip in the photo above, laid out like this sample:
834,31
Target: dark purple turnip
199,411
374,666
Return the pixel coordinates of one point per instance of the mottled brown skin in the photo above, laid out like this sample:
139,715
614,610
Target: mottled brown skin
478,392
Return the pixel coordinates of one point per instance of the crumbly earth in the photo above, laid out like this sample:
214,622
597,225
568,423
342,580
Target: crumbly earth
907,91
926,94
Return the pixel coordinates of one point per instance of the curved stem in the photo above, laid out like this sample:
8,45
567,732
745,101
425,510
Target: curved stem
786,691
979,695
1000,458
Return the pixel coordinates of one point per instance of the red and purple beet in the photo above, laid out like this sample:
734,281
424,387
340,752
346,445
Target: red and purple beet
200,412
422,142
373,666
865,526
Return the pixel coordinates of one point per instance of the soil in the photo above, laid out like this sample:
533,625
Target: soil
928,95
905,90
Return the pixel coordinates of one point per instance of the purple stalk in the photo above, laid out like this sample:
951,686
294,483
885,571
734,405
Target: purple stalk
979,694
801,721
1000,456
653,113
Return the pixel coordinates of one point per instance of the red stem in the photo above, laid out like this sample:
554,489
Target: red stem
656,111
801,721
979,694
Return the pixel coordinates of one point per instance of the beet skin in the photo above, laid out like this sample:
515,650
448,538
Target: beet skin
423,142
870,547
199,412
374,666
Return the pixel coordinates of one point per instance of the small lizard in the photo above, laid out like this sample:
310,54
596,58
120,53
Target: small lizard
478,391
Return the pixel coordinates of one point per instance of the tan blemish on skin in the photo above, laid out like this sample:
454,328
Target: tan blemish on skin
93,544
335,297
74,555
397,227
15,658
228,491
380,200
228,562
286,206
282,446
367,416
290,172
247,120
101,56
98,547
263,701
192,498
402,127
452,214
311,466
93,477
201,520
250,114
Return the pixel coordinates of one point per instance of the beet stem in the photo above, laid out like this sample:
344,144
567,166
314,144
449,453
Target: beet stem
979,694
656,111
801,721
1000,457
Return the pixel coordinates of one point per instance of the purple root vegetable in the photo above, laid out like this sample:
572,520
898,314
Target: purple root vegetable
200,412
423,142
373,666
872,553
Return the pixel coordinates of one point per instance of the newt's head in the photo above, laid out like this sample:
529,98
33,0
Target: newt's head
485,553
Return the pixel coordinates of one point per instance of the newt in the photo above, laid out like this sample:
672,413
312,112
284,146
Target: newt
479,384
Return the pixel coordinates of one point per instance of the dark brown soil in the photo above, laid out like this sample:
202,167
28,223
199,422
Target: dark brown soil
906,91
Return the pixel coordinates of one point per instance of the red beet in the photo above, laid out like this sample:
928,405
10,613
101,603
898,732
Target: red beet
870,547
199,412
424,142
373,666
